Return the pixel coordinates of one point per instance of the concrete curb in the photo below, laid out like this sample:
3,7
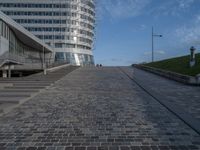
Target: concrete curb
189,80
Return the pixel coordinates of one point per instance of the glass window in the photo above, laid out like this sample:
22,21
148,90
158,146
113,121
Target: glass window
59,56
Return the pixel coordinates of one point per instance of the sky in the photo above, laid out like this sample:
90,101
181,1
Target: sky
124,27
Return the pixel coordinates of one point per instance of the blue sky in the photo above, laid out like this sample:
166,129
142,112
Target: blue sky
123,34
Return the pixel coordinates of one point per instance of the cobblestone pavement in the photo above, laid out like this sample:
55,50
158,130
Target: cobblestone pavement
187,97
94,109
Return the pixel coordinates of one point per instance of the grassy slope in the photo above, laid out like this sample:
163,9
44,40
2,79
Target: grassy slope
179,65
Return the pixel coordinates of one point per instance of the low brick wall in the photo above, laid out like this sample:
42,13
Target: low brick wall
172,75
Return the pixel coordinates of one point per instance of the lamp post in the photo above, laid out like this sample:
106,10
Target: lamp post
154,35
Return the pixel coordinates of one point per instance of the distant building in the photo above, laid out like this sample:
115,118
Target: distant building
65,25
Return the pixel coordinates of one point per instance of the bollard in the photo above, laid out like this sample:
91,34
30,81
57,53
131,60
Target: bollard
192,57
198,78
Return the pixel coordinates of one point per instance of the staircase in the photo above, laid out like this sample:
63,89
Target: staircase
14,91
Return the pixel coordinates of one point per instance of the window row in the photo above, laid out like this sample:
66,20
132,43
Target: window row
23,5
64,37
39,13
37,5
41,21
57,29
47,5
70,22
68,45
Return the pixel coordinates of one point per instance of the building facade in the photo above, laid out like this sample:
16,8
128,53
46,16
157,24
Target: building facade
65,25
20,49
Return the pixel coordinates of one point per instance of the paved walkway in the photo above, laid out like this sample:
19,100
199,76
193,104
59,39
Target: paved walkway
184,96
94,109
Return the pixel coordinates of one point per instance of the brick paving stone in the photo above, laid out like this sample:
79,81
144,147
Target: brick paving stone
51,148
94,109
135,148
80,148
41,148
124,148
91,148
69,148
21,148
31,148
103,148
113,147
60,148
154,148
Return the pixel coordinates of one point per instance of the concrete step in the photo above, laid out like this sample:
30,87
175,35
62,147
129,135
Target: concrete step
32,85
25,87
12,100
4,95
15,90
3,85
17,94
25,82
18,91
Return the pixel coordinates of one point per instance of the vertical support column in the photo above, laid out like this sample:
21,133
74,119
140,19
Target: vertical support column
9,71
4,73
44,63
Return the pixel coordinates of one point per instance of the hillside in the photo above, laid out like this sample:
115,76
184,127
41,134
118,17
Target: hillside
178,65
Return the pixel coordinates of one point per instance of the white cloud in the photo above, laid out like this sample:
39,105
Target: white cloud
185,3
142,27
189,34
137,28
147,53
131,8
172,7
123,8
198,19
159,52
116,60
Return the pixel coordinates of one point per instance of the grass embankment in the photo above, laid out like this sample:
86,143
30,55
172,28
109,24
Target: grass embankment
178,65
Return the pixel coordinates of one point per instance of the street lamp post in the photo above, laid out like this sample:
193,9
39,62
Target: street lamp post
154,35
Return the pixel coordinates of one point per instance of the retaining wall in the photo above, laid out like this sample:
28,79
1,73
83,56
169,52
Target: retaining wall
172,75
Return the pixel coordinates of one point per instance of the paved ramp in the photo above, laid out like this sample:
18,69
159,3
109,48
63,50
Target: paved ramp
95,109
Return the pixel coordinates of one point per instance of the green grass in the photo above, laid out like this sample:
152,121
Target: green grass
178,65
